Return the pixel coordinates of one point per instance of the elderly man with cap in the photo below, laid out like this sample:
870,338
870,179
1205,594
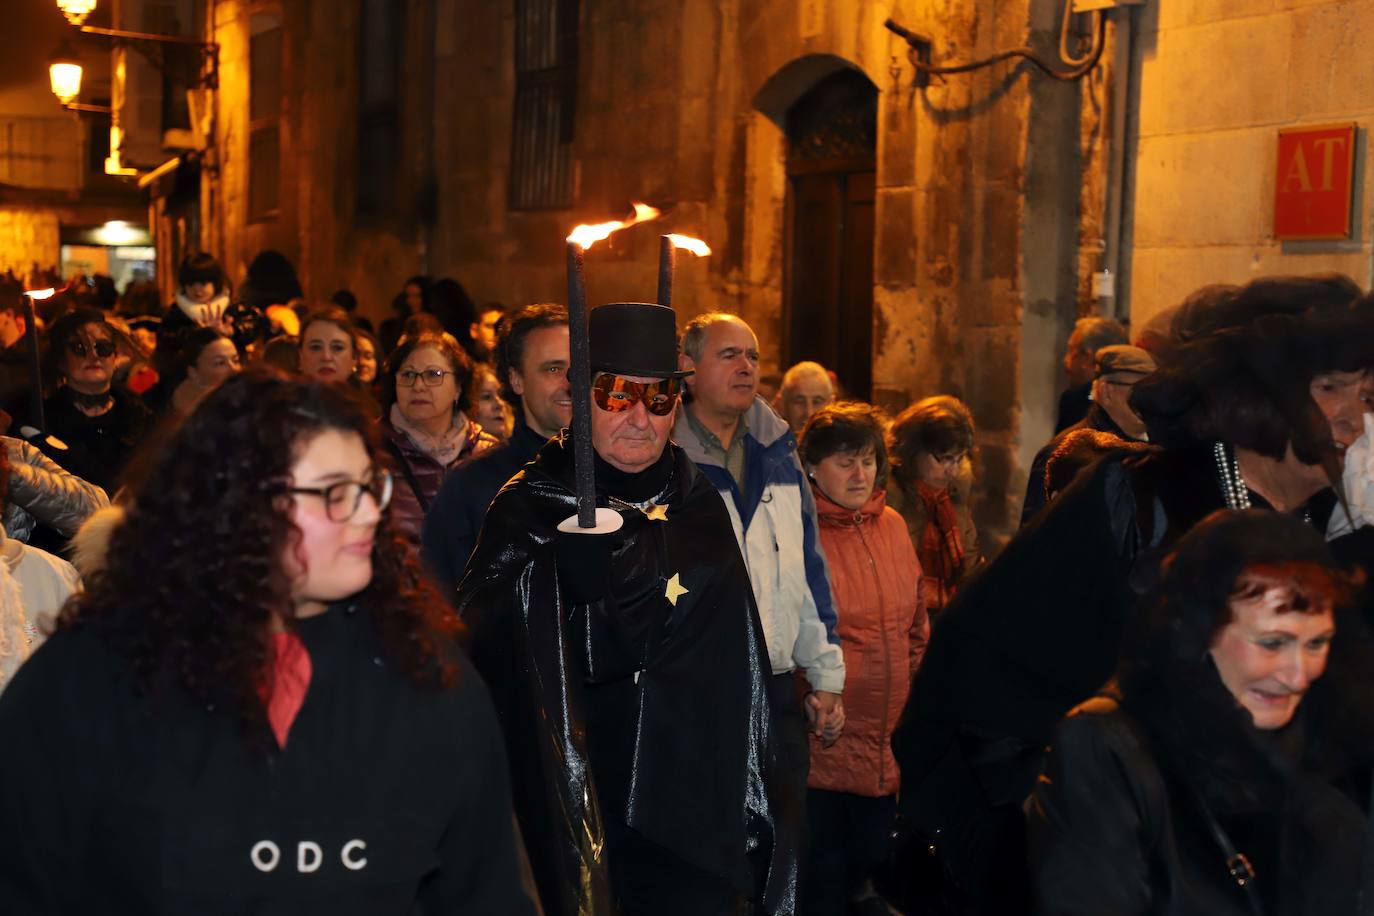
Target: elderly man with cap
629,668
1116,370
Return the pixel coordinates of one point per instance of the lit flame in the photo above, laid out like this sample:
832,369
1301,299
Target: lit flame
40,293
585,236
687,243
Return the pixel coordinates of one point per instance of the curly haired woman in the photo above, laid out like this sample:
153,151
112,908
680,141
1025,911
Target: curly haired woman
256,706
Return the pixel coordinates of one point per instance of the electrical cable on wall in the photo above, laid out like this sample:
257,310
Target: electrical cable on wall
1079,67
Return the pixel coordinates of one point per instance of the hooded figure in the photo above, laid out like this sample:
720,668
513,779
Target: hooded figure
629,668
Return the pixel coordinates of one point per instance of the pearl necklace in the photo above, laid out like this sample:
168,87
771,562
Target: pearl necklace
1233,487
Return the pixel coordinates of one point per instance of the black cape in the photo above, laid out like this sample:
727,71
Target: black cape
651,715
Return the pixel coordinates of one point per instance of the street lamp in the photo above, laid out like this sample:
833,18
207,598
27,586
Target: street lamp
76,11
64,72
64,75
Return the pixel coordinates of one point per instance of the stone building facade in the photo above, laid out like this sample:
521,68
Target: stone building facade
922,238
1214,83
51,178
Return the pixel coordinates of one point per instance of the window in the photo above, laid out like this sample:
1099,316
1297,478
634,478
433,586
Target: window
264,117
545,104
381,47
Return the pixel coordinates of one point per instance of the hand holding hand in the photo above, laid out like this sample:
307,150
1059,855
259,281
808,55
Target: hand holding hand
834,725
825,715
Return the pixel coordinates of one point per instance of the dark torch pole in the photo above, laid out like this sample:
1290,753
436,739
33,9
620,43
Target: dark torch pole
667,263
35,369
579,376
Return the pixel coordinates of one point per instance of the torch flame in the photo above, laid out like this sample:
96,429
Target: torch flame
40,293
687,243
585,236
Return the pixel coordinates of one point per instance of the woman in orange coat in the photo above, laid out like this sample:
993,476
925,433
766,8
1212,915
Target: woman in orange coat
876,578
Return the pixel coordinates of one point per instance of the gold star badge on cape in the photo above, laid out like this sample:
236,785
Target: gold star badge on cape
675,589
656,513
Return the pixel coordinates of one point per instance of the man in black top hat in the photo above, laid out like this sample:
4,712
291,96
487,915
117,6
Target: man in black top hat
629,668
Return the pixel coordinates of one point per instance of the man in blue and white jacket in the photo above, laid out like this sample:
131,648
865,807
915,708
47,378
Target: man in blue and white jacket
749,453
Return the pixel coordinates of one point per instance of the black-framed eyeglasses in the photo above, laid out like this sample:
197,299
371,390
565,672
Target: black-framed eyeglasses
342,499
614,393
104,349
407,378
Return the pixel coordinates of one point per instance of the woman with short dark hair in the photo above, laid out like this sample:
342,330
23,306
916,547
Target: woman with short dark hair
423,424
257,704
931,442
207,359
876,579
1227,771
99,423
202,299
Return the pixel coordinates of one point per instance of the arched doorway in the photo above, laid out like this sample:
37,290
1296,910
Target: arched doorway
828,301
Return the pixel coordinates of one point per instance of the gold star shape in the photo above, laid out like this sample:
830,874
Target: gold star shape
675,590
656,513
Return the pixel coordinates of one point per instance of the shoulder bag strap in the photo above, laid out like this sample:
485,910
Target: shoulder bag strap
1237,865
406,472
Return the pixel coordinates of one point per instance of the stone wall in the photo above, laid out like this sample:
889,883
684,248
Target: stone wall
682,104
979,247
1217,82
28,238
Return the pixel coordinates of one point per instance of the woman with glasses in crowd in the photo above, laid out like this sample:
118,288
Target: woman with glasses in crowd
99,423
260,708
423,425
929,445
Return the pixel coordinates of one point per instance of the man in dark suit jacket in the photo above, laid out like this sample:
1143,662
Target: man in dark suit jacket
532,366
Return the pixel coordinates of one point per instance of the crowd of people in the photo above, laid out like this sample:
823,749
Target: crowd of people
296,616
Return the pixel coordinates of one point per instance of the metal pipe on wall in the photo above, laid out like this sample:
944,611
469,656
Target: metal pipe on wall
1117,305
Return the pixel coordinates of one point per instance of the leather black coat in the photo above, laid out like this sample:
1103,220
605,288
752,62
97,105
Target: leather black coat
1121,820
634,708
1035,633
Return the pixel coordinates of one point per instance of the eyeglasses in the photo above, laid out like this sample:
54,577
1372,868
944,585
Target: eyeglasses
615,394
342,499
407,378
951,459
104,349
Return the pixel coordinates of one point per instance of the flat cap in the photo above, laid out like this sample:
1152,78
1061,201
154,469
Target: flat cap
1123,363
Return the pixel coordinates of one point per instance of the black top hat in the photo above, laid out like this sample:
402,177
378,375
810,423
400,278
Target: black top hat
634,338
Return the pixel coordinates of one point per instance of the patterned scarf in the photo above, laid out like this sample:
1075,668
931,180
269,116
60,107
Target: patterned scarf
941,550
445,448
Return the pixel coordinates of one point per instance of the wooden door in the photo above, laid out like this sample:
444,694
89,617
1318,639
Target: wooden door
828,305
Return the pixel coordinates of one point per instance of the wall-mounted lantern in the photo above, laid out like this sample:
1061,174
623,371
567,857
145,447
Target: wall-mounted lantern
76,11
64,73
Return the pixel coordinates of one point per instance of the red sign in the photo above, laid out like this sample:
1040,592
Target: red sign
1315,181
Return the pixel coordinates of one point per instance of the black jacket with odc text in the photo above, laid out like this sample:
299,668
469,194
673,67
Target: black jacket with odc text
387,799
